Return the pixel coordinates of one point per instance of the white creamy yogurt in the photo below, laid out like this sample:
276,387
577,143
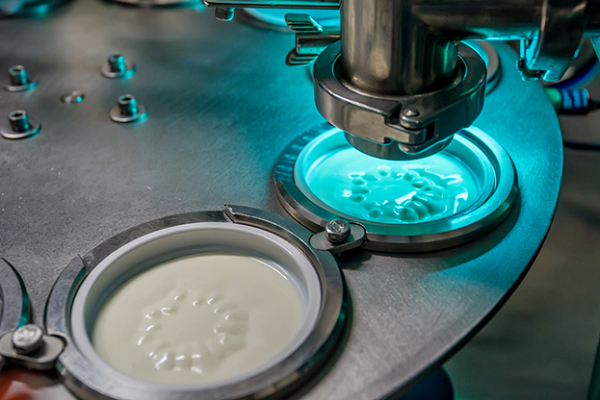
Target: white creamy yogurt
198,319
393,192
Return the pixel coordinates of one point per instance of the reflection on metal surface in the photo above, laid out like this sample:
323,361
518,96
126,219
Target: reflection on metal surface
74,97
28,8
437,202
117,66
238,229
492,62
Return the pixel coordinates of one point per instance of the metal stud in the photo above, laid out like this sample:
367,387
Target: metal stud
20,126
224,13
20,79
117,66
128,110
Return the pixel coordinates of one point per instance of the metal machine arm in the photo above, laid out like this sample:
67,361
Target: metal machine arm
399,84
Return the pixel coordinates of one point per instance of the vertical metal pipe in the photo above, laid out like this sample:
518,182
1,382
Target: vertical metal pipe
385,50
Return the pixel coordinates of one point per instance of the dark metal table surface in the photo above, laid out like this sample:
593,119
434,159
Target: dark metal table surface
222,106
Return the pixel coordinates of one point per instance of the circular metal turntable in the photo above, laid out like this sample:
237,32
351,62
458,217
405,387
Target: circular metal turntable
410,312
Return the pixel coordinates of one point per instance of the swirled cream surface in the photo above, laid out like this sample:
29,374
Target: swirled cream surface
392,192
198,319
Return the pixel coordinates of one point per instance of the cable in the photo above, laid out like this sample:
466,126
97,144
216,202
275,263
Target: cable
572,101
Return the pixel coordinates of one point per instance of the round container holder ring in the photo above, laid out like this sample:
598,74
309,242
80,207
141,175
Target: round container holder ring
85,284
491,167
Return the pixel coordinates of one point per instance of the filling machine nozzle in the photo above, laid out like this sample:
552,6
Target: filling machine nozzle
395,77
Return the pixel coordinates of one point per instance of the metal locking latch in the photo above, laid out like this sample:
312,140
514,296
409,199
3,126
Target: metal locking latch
31,347
339,236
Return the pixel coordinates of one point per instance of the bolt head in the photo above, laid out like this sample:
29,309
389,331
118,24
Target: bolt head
337,231
27,339
411,112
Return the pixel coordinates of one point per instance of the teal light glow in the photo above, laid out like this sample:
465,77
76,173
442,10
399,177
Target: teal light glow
365,188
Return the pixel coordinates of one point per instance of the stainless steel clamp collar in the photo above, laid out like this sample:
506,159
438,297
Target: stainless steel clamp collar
400,127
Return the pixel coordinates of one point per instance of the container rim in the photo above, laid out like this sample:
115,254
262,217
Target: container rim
499,194
85,375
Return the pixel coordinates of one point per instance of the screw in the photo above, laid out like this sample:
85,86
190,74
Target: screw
18,75
27,339
128,105
411,112
19,121
224,14
337,231
116,63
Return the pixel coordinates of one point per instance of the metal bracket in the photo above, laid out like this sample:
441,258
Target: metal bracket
31,347
550,53
311,39
352,236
